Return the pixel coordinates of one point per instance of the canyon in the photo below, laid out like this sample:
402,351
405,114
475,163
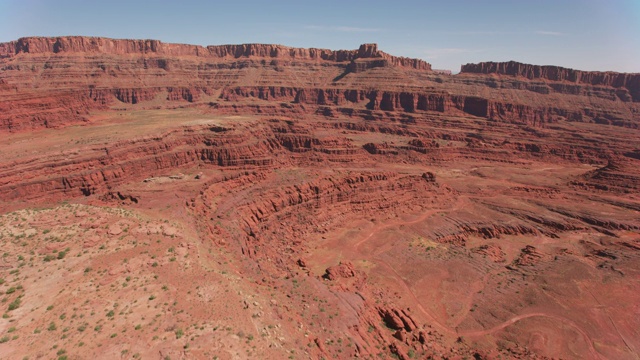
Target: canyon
261,201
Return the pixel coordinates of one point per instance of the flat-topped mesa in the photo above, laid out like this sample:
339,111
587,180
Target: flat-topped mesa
629,81
82,44
370,51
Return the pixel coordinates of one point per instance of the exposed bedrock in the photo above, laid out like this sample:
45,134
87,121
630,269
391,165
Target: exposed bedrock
410,102
626,82
99,169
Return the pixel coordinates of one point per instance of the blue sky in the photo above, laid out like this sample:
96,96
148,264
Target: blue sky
587,34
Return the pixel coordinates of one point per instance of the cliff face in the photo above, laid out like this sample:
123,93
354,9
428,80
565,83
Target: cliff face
410,102
80,44
630,82
56,82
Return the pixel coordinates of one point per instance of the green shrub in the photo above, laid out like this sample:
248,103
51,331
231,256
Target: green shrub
14,304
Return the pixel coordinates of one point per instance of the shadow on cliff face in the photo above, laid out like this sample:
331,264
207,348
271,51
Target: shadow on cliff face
476,106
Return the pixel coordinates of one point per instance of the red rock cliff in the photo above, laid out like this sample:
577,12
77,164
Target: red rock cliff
69,44
628,81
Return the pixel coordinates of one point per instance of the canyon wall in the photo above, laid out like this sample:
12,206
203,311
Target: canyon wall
75,44
55,82
630,82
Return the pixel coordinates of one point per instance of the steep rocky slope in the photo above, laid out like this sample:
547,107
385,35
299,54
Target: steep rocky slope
260,201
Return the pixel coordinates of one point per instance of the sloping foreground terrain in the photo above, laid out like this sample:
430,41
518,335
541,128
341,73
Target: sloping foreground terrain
166,201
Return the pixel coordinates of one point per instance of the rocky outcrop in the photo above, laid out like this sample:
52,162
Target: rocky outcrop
134,96
529,256
623,81
397,319
371,51
491,251
342,270
187,94
96,170
621,175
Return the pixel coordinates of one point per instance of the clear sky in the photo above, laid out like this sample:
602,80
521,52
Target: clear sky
586,34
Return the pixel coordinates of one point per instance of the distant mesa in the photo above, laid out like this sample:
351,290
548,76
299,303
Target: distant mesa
629,81
71,44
